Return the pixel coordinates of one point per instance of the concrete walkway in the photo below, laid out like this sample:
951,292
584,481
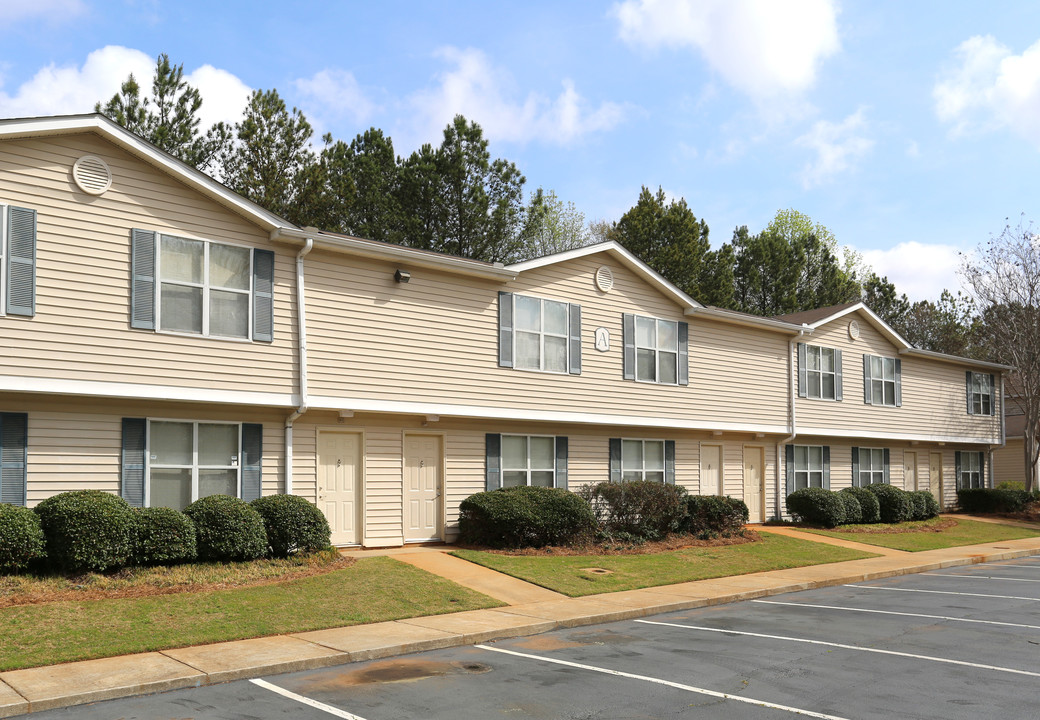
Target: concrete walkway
37,689
494,584
828,540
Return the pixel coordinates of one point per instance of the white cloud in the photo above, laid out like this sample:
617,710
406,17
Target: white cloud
838,147
224,96
482,92
988,87
51,10
336,93
764,48
920,270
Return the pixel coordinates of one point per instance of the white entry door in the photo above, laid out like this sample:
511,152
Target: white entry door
754,492
909,470
935,476
422,488
711,470
339,460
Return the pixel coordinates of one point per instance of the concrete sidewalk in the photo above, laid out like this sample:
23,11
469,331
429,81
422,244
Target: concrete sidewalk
37,689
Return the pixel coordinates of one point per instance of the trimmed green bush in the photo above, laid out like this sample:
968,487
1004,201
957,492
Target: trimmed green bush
637,509
853,510
525,517
87,530
227,529
994,500
709,516
817,506
293,524
21,539
162,536
925,505
870,509
896,505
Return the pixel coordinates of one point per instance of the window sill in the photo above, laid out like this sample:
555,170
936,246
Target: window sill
200,336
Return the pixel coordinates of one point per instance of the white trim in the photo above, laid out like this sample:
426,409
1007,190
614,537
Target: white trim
101,125
833,433
626,258
954,359
135,391
878,323
738,318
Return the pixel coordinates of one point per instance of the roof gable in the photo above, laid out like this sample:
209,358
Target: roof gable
822,316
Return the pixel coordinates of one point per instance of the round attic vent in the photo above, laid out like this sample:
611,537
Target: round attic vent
853,329
92,175
604,279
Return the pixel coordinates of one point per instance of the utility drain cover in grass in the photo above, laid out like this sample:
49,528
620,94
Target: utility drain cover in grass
598,571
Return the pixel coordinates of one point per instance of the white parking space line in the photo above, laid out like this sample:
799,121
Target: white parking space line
659,681
1031,567
859,648
334,711
983,577
944,592
893,612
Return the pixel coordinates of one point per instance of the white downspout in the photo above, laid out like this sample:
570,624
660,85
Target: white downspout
1003,433
792,412
301,348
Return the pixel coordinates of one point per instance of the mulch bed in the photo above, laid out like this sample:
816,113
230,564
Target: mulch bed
672,542
943,524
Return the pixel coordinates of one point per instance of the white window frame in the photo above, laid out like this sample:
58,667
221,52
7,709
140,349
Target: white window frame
195,467
980,394
206,288
807,470
528,469
656,349
871,454
974,474
643,469
542,334
833,372
879,381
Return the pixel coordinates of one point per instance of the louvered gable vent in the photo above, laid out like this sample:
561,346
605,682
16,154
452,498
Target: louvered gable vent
92,175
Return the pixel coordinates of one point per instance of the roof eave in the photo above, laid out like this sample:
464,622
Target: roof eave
955,359
748,321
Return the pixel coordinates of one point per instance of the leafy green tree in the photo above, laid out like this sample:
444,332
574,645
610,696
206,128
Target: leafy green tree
949,325
880,296
419,193
552,226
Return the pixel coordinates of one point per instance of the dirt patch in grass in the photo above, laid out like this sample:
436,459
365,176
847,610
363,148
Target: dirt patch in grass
672,542
139,582
934,525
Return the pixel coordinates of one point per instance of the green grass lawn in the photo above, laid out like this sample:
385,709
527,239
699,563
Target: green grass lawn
371,590
965,532
568,574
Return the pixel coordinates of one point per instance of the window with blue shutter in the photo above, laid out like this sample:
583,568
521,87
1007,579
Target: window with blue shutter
539,334
492,461
21,261
655,350
252,460
819,372
882,381
14,447
134,460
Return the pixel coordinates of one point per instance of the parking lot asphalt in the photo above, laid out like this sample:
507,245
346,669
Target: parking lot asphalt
951,644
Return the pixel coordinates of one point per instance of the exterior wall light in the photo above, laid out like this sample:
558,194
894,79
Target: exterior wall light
402,276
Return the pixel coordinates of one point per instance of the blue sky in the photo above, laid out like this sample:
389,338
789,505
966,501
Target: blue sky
911,130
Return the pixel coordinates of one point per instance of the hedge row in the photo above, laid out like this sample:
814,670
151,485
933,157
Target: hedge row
876,503
90,530
995,500
627,511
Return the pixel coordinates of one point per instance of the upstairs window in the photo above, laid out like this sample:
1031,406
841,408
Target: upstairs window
980,391
656,351
539,334
819,372
869,466
204,287
882,381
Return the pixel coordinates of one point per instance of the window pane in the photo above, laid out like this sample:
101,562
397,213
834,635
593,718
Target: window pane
555,317
668,335
528,313
218,444
877,367
812,358
655,476
828,387
877,391
514,451
815,457
170,488
801,480
181,308
631,454
813,381
555,354
228,266
630,475
181,259
801,457
228,314
827,360
890,393
879,459
890,369
646,332
527,350
514,478
218,482
816,479
171,443
543,453
542,478
654,455
666,368
645,369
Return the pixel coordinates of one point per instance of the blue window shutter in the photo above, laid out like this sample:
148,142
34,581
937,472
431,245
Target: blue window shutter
855,467
263,295
252,460
837,375
867,391
803,388
615,459
142,281
983,479
493,462
561,462
888,463
899,383
967,380
628,341
957,468
826,467
135,447
789,451
21,261
992,395
669,462
14,444
505,329
684,353
575,339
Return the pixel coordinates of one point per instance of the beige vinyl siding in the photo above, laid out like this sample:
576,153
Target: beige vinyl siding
934,402
1009,462
81,329
435,339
